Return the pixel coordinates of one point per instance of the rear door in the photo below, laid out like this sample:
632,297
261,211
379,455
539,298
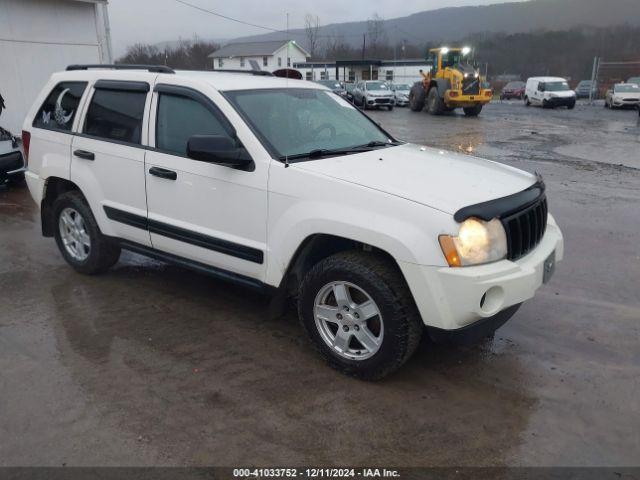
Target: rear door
108,156
204,212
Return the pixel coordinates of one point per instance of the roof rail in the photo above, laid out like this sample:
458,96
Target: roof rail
263,73
150,68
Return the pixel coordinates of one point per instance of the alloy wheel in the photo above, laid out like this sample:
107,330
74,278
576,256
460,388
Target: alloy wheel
73,233
348,320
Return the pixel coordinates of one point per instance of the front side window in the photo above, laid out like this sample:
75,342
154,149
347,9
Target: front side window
60,108
297,121
116,115
179,118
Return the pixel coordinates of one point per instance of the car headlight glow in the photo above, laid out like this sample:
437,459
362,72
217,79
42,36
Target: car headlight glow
477,242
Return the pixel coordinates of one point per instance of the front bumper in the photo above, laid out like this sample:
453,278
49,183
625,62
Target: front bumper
11,163
453,298
631,103
559,102
482,98
386,101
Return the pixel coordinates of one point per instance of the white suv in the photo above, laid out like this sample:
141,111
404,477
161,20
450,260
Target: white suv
283,186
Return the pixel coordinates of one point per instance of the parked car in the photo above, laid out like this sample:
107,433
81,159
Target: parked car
586,89
623,95
549,92
335,86
374,238
11,160
634,80
401,93
373,93
513,90
349,87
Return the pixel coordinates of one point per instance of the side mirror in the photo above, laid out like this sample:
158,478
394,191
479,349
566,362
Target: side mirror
221,150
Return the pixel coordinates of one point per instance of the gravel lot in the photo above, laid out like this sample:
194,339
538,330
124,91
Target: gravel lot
154,365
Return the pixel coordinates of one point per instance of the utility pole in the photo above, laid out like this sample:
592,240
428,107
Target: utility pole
594,76
364,44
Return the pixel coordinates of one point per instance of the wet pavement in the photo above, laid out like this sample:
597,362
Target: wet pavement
154,365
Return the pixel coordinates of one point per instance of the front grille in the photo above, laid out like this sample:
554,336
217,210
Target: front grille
525,228
471,86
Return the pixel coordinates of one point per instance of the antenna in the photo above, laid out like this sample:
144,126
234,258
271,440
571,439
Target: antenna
286,98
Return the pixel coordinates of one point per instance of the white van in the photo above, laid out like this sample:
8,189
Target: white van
549,92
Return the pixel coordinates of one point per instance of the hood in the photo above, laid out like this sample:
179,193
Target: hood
380,92
627,95
439,179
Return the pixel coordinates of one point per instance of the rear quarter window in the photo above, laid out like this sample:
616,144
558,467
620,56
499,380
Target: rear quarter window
61,106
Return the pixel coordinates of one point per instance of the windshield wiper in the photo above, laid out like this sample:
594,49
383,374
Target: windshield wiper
324,152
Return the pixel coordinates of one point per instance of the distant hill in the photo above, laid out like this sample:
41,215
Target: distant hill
456,23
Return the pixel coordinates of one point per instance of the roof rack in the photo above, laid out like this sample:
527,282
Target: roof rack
150,68
262,73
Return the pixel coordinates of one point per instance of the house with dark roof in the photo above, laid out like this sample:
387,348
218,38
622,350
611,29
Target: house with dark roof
270,56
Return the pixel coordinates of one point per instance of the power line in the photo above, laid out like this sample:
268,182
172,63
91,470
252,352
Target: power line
232,19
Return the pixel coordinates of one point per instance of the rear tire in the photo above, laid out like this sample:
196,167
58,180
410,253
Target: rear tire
78,236
417,98
472,111
335,326
435,105
390,107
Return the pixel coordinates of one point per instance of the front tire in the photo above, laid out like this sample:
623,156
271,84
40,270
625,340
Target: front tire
472,111
358,312
79,238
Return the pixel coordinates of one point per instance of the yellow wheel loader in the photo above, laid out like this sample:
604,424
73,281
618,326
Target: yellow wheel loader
453,82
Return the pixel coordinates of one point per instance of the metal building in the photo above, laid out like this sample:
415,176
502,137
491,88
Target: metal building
39,37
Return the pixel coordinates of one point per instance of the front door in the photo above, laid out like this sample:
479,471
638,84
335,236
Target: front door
208,213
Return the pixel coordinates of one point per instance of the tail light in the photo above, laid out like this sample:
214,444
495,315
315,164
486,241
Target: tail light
26,141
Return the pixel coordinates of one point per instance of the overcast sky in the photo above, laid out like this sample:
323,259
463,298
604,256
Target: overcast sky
152,21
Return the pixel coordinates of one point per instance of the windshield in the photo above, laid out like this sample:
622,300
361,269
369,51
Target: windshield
584,84
514,85
556,86
376,86
627,88
634,80
331,84
403,86
293,121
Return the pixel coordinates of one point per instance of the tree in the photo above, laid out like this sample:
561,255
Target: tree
312,30
375,34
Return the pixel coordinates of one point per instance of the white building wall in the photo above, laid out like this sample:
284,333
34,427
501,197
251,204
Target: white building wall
399,74
275,61
39,37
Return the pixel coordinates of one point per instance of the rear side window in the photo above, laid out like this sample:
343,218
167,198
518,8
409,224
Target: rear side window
116,115
179,118
60,108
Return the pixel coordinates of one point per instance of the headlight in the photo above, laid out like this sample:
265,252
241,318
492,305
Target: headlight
477,242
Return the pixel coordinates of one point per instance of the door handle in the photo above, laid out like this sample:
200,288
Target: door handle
163,173
84,154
